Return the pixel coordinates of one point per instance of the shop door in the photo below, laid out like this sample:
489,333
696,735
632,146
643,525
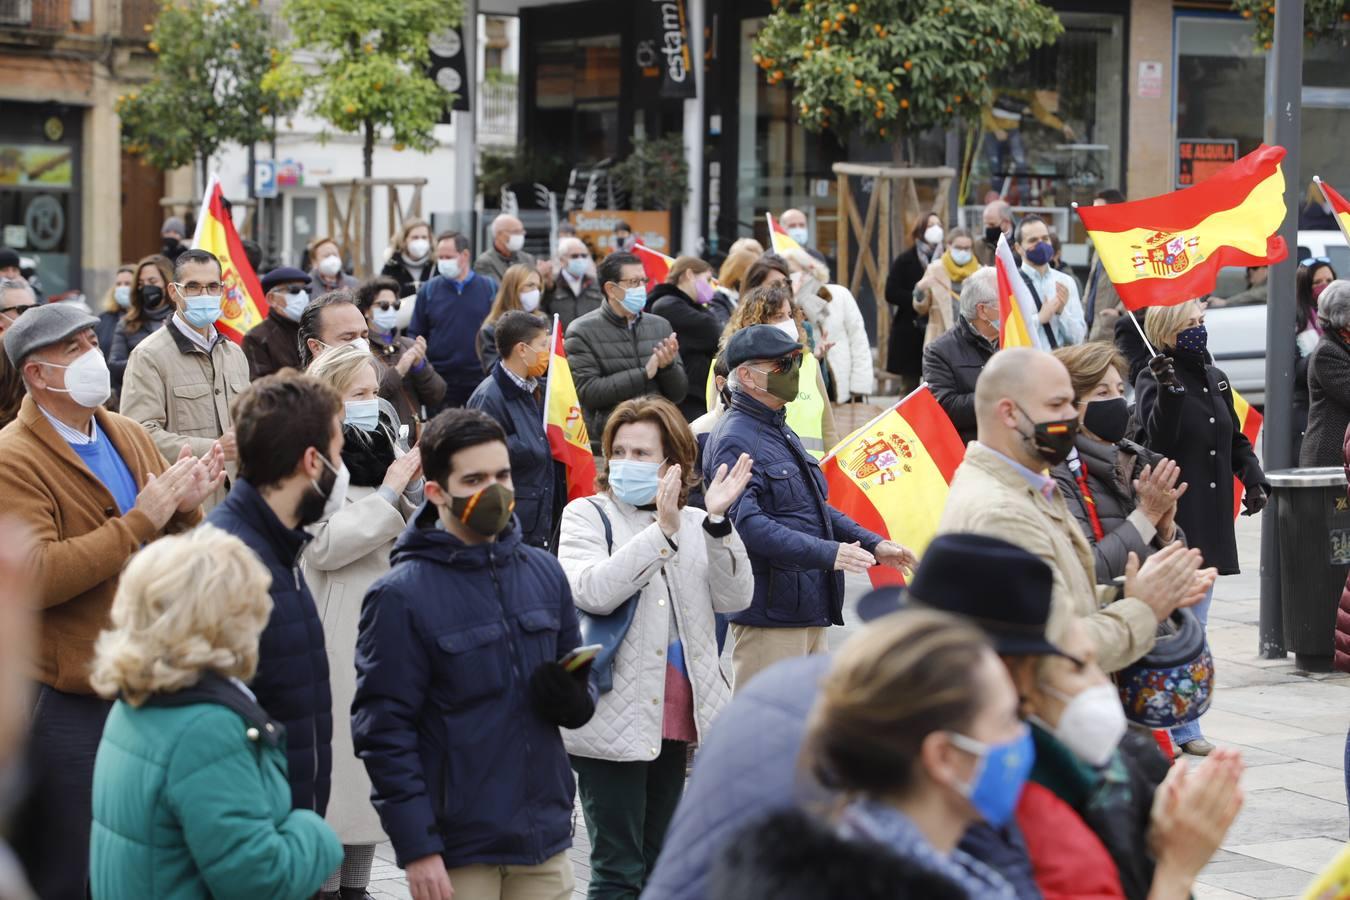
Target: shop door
142,216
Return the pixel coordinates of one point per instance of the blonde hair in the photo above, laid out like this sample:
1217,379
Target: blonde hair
1088,364
747,243
185,605
401,239
735,266
508,294
109,300
338,367
1163,323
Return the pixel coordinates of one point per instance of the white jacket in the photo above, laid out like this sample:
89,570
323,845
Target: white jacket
851,356
706,574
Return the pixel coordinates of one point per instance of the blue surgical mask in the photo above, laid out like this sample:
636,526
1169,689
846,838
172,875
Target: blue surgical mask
578,266
635,299
448,268
363,414
386,320
1000,774
798,234
634,482
295,305
960,257
202,311
122,294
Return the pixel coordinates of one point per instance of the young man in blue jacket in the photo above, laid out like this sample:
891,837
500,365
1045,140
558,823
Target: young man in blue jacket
460,692
450,309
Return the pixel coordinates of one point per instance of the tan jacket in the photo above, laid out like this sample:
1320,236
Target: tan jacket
938,301
990,497
182,395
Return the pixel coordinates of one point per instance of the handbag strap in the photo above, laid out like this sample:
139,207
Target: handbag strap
609,529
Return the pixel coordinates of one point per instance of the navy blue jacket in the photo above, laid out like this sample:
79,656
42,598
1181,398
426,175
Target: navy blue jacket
537,478
460,762
791,533
292,679
448,314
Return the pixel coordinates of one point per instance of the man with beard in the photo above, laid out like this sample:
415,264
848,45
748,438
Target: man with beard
288,428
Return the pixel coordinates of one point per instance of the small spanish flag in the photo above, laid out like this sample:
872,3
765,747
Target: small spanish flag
1015,306
655,264
1340,207
563,422
1168,249
778,236
243,303
1249,423
892,475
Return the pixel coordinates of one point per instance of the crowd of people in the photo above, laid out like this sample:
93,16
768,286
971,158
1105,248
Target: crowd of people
325,588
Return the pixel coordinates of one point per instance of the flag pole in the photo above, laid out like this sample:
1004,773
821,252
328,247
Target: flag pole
1339,224
1140,328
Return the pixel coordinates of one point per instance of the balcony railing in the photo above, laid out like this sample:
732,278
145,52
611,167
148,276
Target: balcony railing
497,110
36,15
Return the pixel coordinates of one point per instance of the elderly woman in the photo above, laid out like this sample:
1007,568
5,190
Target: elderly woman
190,790
326,272
349,551
1184,407
842,328
407,380
938,294
638,542
1329,379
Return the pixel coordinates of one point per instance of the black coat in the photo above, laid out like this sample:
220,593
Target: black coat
567,305
408,282
1130,344
1199,431
951,365
272,345
696,328
1328,403
904,346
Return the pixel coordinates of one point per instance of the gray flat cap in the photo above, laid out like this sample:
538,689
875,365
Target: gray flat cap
43,326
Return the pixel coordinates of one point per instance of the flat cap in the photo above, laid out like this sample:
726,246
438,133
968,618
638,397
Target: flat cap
759,342
173,223
42,326
283,275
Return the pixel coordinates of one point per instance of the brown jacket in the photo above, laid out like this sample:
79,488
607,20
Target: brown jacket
82,544
272,345
181,395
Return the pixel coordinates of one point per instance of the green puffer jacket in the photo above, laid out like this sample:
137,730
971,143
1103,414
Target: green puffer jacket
191,801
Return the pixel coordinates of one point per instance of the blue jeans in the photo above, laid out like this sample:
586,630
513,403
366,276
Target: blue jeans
1191,730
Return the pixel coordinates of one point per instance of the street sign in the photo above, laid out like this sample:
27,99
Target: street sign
1199,159
265,179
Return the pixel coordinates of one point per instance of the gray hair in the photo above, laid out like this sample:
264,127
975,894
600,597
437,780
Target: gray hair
16,284
1003,208
566,242
734,378
1333,307
980,288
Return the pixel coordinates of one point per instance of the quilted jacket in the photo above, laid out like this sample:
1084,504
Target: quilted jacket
704,575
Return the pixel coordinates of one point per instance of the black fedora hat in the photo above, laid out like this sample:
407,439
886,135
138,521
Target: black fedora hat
996,585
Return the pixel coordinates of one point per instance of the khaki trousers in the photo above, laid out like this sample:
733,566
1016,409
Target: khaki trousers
758,648
550,880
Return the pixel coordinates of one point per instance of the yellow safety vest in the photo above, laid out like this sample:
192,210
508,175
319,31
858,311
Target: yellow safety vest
806,414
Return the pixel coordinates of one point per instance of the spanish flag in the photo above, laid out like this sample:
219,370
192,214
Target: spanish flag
778,236
243,304
1015,305
892,474
1340,207
564,424
1249,423
1168,249
654,263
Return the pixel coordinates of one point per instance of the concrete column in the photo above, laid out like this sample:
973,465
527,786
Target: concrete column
691,237
1151,130
101,176
466,135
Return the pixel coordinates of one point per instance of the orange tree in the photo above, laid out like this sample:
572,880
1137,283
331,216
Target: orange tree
1321,19
889,67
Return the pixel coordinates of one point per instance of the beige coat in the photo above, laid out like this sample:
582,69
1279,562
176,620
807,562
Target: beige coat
349,551
989,497
939,301
182,395
705,575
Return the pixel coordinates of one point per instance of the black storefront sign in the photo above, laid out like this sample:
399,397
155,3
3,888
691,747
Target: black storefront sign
449,69
663,47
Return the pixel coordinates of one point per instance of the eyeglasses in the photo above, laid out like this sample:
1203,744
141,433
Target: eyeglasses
293,288
16,310
1320,260
193,289
632,282
387,305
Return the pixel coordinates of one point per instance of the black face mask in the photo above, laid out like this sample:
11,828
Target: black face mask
312,502
991,235
1052,440
152,295
1107,419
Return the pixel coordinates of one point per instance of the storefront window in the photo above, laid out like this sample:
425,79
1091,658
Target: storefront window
39,200
576,97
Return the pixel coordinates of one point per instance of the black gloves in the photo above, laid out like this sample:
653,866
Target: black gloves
1254,500
1165,371
561,697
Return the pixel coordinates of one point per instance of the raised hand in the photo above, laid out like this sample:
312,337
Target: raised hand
853,558
1165,581
727,486
403,471
163,493
668,501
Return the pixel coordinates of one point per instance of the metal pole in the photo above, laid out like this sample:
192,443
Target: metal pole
466,136
691,239
1284,97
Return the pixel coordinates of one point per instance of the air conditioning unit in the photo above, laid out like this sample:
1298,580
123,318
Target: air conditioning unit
16,12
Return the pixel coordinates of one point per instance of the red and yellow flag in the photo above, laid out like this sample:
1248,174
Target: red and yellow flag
778,236
1016,308
1168,249
564,424
655,263
243,303
1249,423
892,474
1340,207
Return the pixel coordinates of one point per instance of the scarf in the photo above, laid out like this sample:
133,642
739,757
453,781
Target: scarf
957,273
368,454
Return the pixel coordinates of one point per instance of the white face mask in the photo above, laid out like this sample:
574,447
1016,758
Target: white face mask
337,496
515,242
418,248
933,236
960,257
122,294
359,343
448,268
1092,724
330,265
88,381
788,327
798,234
529,300
295,305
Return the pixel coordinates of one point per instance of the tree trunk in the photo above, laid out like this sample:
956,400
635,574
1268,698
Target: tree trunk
368,200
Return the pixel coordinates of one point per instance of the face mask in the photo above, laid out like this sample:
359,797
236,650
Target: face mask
933,235
1107,419
515,242
991,235
529,300
361,344
1092,724
152,295
1194,339
487,512
1052,440
788,327
418,248
537,368
783,385
703,292
330,265
635,299
88,381
1041,254
336,495
634,482
798,234
293,305
577,267
448,268
1000,775
960,257
385,319
1317,289
363,414
122,294
202,311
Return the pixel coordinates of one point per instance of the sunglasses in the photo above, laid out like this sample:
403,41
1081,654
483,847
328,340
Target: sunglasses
16,310
784,364
387,305
1318,260
293,288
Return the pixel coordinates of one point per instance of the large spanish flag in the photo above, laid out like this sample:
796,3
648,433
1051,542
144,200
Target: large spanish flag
243,304
1340,207
892,474
564,423
1249,423
778,237
1016,308
1168,249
